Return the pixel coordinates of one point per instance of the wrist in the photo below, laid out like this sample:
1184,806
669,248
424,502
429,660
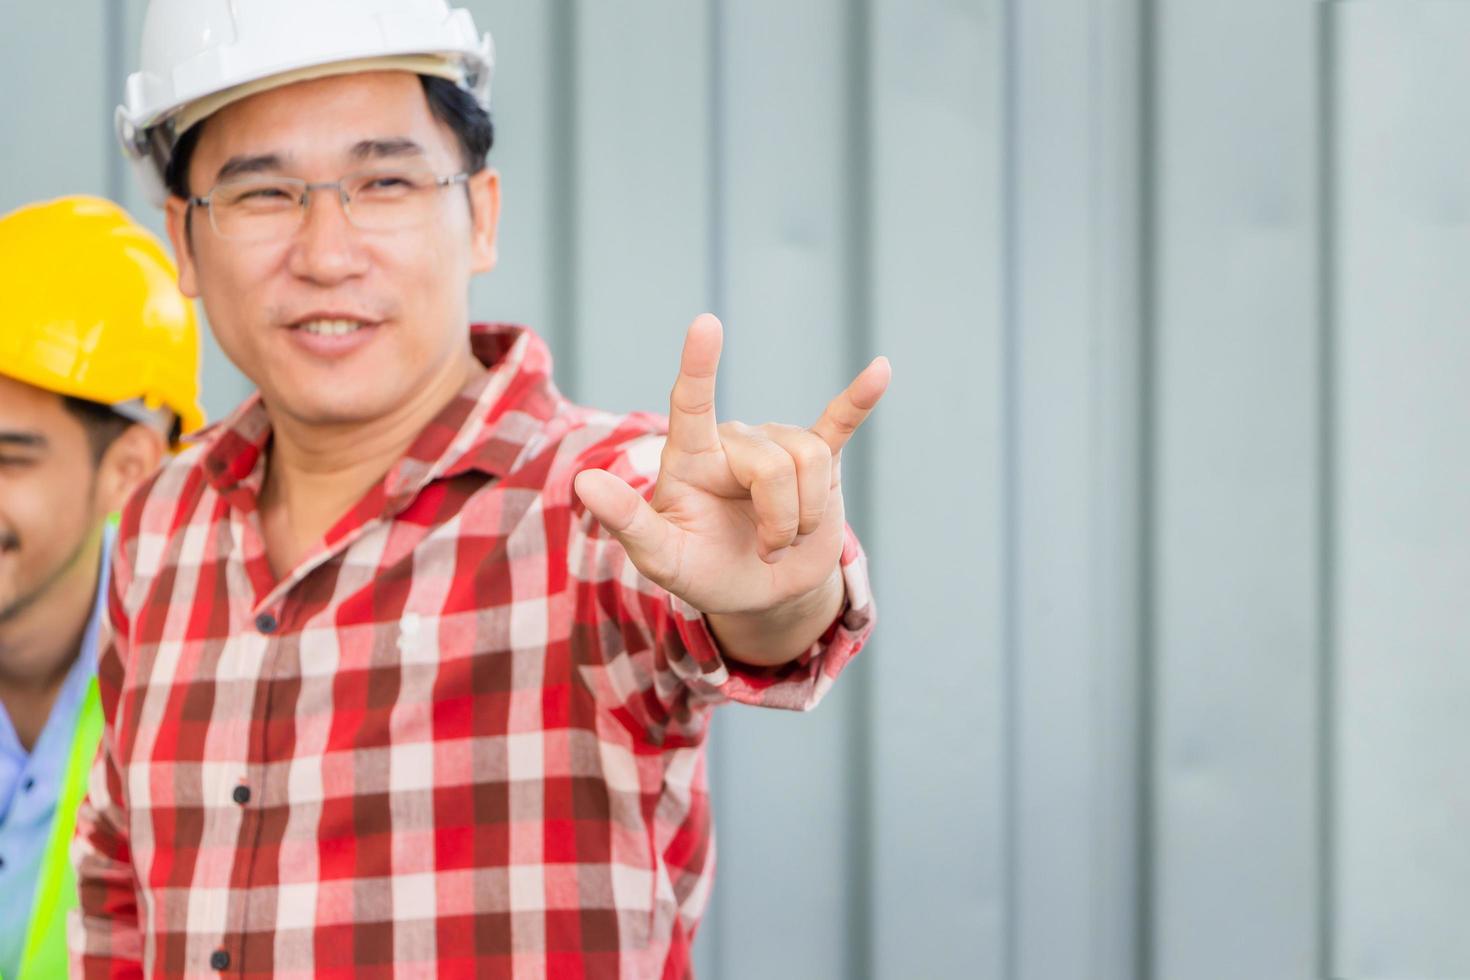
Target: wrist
780,634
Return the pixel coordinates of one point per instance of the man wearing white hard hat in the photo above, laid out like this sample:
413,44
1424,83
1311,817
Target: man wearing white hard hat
415,659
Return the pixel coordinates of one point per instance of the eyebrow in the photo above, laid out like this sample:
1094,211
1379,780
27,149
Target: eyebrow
23,440
387,148
243,165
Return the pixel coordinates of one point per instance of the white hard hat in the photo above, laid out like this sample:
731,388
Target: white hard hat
200,55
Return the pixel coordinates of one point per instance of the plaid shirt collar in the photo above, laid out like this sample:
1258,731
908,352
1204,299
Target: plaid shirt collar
482,428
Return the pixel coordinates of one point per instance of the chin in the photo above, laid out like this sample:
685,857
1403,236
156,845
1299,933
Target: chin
339,412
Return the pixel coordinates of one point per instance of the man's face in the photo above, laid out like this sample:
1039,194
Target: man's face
404,293
48,502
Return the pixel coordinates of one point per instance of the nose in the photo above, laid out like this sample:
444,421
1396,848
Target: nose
327,248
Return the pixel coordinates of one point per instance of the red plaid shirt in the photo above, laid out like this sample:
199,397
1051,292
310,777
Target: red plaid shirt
463,737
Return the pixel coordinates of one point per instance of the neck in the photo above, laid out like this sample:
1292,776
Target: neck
40,642
316,472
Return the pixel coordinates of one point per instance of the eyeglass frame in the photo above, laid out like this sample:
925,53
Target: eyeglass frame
304,201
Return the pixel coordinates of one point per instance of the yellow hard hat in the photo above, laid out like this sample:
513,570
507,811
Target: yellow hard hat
93,309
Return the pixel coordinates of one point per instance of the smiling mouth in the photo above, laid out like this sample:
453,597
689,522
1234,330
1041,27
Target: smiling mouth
331,327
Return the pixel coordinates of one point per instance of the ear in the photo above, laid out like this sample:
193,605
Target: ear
176,217
131,459
484,188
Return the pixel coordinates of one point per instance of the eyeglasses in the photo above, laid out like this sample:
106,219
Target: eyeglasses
260,209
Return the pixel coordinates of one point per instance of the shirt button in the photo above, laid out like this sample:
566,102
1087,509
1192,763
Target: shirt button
242,795
219,960
266,623
29,784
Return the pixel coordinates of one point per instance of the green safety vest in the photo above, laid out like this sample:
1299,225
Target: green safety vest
45,953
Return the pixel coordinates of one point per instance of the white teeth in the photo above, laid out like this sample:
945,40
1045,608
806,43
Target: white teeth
331,328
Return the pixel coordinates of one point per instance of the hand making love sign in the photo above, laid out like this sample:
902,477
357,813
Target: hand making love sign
743,519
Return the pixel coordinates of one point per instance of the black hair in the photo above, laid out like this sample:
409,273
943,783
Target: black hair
450,104
102,424
462,113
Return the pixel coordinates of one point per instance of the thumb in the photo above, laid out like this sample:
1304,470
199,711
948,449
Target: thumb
644,535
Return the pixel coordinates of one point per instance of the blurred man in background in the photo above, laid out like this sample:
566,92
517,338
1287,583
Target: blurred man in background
98,374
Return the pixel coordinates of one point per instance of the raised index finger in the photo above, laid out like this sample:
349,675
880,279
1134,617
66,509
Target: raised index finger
851,409
692,426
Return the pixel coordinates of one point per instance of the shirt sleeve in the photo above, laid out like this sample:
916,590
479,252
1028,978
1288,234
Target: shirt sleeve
654,654
104,933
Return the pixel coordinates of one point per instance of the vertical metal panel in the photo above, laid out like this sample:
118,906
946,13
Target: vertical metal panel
56,131
526,109
938,715
1075,332
1402,211
783,797
1120,259
642,105
1237,360
126,46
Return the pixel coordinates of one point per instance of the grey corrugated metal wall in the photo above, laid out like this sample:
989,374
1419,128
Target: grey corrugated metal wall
1165,506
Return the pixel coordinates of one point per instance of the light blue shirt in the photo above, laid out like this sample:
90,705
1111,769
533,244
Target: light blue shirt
31,783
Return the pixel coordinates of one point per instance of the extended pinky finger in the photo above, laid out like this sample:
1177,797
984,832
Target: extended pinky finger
851,408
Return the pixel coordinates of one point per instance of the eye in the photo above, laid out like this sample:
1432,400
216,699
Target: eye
386,186
259,195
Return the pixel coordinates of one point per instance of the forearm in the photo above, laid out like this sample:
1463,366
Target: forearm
780,635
